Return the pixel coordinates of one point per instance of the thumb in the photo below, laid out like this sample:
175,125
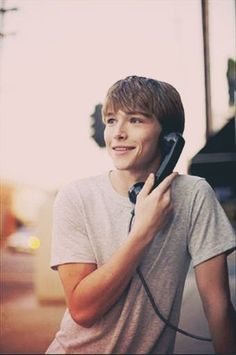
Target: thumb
147,187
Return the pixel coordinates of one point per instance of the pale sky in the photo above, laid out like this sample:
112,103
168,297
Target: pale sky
62,60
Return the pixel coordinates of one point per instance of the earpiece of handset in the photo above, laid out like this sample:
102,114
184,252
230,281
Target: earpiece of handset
173,145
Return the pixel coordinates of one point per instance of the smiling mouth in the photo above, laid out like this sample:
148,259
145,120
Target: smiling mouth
122,149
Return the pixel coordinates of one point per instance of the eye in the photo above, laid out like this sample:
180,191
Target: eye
135,120
110,120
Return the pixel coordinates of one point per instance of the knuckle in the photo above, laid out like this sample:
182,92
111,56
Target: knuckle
166,199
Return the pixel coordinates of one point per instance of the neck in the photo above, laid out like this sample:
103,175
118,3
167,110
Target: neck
122,180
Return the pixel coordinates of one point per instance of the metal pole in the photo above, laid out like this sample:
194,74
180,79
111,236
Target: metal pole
207,78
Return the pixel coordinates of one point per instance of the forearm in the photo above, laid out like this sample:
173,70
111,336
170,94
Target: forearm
97,292
222,324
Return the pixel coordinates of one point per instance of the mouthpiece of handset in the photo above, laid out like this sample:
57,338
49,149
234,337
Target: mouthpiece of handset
134,191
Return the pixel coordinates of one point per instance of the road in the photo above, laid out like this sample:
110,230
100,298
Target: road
27,327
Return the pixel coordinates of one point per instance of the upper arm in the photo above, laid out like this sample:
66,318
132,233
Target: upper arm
213,282
72,274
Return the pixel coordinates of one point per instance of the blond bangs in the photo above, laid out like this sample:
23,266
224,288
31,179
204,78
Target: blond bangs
113,104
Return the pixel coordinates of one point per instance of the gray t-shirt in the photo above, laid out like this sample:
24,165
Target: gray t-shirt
91,222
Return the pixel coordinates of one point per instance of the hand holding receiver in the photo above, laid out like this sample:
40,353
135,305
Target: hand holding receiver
153,207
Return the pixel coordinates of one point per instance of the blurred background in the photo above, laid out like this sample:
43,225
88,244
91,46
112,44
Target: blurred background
57,60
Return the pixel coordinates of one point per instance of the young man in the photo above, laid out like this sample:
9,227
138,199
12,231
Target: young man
178,221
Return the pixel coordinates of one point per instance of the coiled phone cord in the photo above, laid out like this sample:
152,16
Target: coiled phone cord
153,303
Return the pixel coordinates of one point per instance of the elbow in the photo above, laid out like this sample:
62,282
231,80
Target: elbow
84,314
83,318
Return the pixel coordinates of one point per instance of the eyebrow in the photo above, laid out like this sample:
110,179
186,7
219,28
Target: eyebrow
130,113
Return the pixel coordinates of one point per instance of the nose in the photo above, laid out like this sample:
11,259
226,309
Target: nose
120,131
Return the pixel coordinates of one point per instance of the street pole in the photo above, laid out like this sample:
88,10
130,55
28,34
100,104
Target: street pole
207,77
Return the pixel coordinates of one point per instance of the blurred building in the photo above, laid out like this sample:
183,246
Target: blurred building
216,162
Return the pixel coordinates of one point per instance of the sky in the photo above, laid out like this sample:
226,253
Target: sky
60,62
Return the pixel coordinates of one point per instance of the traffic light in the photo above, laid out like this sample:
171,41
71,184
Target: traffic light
98,126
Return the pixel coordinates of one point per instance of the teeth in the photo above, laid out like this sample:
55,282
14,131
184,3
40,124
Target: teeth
122,148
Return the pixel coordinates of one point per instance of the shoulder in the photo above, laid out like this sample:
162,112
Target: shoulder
190,189
190,184
81,188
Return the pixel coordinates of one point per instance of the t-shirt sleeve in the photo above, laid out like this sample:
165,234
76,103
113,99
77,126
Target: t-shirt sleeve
70,243
210,232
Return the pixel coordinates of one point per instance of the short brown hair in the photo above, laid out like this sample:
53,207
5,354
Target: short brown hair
150,97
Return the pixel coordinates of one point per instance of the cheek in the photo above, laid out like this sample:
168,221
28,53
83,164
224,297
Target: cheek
151,142
106,136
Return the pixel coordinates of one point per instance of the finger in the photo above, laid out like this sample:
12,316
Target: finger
147,187
166,197
166,183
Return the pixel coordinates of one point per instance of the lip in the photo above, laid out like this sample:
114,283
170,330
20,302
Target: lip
122,149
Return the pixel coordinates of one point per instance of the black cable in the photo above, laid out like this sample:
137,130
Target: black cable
154,305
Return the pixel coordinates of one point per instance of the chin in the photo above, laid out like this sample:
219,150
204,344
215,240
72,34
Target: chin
123,167
125,164
120,167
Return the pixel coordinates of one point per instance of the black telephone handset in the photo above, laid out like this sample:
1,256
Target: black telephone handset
173,144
